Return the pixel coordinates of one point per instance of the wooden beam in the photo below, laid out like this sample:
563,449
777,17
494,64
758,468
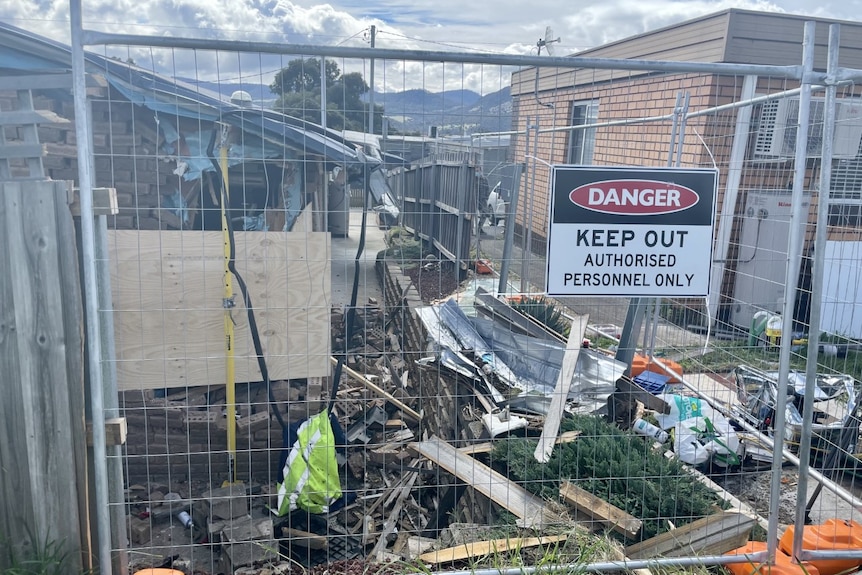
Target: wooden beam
20,117
736,504
104,202
48,81
486,447
479,548
10,151
371,386
391,521
595,507
713,535
561,390
115,432
631,390
509,495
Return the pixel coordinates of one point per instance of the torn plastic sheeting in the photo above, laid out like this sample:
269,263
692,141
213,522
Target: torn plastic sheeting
537,364
382,194
177,205
195,147
453,318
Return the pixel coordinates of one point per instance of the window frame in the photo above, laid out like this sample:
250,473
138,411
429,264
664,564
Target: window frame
581,146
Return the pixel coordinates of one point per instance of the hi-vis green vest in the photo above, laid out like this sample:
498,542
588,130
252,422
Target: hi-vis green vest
311,472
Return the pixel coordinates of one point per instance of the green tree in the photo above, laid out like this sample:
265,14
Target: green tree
298,90
303,75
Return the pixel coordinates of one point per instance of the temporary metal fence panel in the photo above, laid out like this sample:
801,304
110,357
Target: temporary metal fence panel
441,404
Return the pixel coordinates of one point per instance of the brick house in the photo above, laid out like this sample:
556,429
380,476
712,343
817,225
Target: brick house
570,97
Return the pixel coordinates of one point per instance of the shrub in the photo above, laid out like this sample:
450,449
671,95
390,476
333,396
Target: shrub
617,466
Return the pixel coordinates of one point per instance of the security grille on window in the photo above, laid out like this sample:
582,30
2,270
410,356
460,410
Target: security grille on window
582,142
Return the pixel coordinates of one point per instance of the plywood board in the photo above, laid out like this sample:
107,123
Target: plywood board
497,487
167,301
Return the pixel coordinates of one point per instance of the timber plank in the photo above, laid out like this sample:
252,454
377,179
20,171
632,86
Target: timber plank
595,507
488,446
479,548
526,506
713,535
371,386
167,290
73,309
40,492
561,391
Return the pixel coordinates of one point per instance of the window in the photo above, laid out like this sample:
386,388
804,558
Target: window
845,206
582,143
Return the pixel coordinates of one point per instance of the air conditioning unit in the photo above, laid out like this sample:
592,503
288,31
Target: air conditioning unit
776,132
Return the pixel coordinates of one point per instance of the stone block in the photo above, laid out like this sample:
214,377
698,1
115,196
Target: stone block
227,502
139,530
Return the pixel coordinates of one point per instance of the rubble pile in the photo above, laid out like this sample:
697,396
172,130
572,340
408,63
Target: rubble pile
424,394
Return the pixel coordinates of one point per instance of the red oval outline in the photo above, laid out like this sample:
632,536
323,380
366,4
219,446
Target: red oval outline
666,185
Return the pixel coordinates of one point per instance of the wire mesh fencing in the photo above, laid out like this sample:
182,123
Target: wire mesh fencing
307,378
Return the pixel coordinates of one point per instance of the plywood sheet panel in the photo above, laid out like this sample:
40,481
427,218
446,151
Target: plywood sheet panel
167,300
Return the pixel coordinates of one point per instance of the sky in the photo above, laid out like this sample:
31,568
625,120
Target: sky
496,26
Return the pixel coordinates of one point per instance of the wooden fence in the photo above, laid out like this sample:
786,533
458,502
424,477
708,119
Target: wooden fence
439,201
43,496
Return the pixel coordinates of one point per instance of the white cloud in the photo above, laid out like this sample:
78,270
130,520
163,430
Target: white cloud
507,26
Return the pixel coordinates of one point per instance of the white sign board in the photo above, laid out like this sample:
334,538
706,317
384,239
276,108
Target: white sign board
630,231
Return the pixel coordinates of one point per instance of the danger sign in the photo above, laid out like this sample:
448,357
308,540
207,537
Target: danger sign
630,231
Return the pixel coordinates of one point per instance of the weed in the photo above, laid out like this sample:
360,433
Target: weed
724,356
37,557
545,312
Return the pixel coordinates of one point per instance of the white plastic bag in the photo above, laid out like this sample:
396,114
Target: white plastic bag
699,439
681,408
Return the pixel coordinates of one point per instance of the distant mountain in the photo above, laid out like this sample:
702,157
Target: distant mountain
452,112
411,111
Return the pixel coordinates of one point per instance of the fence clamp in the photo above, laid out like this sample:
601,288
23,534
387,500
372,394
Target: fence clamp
229,303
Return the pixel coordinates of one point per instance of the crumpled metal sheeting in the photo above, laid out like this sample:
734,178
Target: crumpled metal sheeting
459,324
537,363
526,363
449,349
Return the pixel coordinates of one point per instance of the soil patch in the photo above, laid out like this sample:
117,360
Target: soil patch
753,487
433,281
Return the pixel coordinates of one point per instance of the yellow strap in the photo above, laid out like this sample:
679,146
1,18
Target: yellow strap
230,366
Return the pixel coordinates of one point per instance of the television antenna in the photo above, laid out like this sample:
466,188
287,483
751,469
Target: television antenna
547,42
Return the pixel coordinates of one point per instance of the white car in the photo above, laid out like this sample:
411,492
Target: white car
494,210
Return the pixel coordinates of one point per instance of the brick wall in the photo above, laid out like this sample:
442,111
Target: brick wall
183,436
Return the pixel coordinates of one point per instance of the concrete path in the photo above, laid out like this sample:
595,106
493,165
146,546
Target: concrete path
344,262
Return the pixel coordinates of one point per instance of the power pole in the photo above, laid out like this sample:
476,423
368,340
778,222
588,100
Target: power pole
371,98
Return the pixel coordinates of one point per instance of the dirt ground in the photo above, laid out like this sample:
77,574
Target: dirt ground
753,487
434,280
